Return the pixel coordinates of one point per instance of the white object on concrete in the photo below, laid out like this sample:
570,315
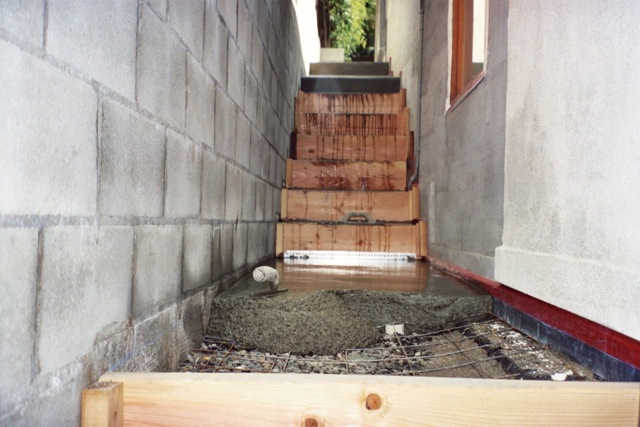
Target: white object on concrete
394,329
267,274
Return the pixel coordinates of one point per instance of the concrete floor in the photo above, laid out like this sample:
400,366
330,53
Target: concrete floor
333,305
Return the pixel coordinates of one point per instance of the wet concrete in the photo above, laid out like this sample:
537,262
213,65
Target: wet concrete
329,308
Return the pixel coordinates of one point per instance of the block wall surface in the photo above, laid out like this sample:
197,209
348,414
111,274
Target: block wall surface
142,149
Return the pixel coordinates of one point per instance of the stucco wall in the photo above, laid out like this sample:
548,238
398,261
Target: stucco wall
142,148
462,155
572,193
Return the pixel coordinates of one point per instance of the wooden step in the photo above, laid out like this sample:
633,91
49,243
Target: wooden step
390,148
334,206
350,84
350,68
390,238
353,124
365,103
335,175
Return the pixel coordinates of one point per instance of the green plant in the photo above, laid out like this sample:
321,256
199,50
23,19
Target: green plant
352,25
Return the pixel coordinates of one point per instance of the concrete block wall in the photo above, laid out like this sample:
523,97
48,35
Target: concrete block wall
142,152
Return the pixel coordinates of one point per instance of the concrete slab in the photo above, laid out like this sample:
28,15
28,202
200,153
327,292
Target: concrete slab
329,308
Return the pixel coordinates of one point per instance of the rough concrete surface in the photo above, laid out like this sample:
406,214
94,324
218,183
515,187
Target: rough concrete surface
328,322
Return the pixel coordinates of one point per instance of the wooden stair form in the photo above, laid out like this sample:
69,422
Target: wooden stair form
335,206
346,181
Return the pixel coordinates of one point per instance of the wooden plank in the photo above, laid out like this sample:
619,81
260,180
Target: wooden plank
422,250
353,124
316,205
180,399
401,238
365,103
279,238
354,148
288,173
284,203
102,405
327,175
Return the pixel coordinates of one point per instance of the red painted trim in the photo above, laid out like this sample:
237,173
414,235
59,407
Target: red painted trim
607,340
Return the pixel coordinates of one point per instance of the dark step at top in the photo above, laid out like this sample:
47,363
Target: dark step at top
351,84
350,68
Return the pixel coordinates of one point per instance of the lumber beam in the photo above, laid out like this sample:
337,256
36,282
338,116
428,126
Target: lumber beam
102,405
362,103
351,147
354,124
330,175
181,399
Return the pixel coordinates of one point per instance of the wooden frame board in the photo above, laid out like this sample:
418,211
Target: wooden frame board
354,148
390,238
332,206
330,175
363,103
188,399
353,124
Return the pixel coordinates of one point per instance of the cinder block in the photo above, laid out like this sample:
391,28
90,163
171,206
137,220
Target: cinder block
216,254
240,234
159,6
226,247
243,140
157,347
132,163
85,288
255,243
23,19
98,37
225,129
235,76
271,239
229,12
261,191
251,97
48,133
248,197
196,261
187,17
213,185
269,208
161,70
257,54
233,193
157,271
191,315
183,168
259,156
18,258
215,44
245,31
201,102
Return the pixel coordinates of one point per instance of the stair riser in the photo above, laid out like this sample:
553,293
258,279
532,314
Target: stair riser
353,124
346,147
350,68
364,176
350,84
390,238
351,104
332,206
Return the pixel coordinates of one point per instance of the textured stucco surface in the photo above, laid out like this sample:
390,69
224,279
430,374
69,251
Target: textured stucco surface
462,149
571,209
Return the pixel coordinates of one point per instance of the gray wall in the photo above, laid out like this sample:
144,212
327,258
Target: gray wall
462,155
142,147
572,193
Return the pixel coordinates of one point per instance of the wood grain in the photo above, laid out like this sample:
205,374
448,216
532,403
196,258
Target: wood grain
402,238
364,103
315,205
353,124
102,405
351,147
333,175
180,399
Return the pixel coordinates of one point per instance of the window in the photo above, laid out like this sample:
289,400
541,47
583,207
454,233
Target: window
468,46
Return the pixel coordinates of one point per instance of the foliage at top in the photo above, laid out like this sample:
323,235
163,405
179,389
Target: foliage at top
353,25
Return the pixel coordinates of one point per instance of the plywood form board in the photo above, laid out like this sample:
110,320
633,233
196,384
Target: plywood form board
354,148
330,175
364,103
353,124
204,399
102,405
316,205
390,238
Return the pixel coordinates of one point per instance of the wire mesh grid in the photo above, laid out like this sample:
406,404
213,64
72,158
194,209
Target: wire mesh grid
487,348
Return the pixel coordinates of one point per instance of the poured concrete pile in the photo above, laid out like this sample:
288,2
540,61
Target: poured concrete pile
330,321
